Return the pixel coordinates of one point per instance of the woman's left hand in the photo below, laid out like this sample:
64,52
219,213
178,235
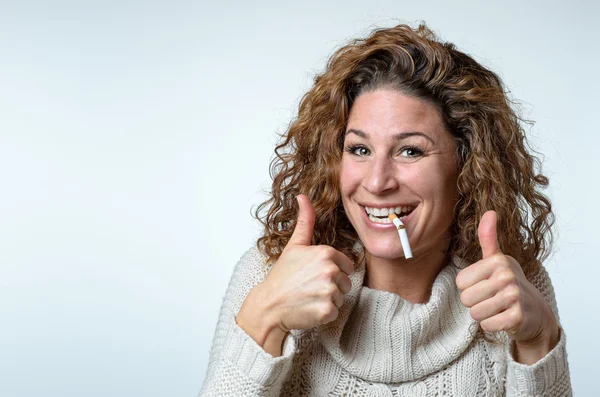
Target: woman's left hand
501,299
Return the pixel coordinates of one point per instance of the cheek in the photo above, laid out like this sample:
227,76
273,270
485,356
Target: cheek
446,191
435,181
350,175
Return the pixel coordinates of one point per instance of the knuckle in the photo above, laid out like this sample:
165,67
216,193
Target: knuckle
506,277
512,294
501,261
325,251
330,272
327,313
301,223
515,316
476,314
488,326
329,290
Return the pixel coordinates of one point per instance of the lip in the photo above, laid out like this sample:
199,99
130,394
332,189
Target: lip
388,205
384,226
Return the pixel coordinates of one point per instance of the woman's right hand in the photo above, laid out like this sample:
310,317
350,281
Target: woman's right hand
305,287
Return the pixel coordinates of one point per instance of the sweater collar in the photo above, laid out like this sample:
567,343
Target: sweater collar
382,338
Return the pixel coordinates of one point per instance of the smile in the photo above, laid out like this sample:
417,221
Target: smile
380,215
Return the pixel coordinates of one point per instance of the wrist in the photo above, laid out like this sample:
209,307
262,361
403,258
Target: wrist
530,352
257,319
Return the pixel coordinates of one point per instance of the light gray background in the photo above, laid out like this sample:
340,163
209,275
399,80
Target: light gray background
136,136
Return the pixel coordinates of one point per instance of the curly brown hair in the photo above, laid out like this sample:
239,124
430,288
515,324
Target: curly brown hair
496,168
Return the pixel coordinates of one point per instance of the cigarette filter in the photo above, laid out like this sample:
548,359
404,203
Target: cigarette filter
402,234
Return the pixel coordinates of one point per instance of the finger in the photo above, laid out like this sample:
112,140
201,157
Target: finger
306,222
343,282
508,320
343,262
475,273
328,313
488,237
479,292
489,308
338,299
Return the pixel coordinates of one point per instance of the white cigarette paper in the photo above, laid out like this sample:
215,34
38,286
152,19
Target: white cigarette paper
402,234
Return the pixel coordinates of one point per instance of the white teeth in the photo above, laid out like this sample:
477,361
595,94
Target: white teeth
379,220
383,212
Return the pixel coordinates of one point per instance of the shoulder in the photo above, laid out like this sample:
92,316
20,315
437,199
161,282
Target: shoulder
250,270
252,265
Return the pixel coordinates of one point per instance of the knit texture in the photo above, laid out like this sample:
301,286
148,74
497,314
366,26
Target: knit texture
380,345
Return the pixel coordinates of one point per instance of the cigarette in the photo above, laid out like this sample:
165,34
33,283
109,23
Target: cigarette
402,234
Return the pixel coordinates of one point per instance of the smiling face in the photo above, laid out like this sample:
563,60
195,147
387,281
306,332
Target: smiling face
397,154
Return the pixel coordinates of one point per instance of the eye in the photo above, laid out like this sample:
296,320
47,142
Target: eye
411,152
358,150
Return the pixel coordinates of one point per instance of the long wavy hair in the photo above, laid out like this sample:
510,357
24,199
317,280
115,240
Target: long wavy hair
496,167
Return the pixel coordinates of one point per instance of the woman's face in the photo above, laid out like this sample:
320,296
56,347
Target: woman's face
397,153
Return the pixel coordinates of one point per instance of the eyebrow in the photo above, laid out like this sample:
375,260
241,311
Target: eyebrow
397,137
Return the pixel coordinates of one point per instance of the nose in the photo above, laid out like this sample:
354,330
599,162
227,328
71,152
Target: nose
380,177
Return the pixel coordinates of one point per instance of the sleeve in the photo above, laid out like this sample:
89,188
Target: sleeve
549,376
237,365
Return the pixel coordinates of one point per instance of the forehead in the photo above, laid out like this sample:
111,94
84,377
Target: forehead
385,112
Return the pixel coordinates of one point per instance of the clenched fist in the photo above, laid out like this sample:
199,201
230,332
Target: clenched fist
305,287
501,298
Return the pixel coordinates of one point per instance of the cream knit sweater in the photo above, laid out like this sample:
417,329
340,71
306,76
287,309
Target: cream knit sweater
380,345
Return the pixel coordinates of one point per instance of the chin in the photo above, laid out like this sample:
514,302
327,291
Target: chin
383,248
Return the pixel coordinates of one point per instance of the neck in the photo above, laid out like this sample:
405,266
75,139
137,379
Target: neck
411,279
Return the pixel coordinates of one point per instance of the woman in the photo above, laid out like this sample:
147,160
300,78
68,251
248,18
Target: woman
328,304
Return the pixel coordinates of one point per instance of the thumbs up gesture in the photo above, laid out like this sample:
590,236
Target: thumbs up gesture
501,298
304,288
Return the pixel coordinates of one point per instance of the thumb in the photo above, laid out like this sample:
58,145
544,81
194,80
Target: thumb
488,235
306,222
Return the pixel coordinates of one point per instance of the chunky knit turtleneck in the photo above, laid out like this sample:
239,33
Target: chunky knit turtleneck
380,345
374,328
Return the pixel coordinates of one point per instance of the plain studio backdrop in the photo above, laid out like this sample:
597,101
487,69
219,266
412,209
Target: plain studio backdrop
135,139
